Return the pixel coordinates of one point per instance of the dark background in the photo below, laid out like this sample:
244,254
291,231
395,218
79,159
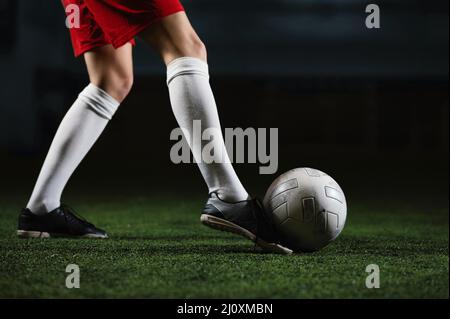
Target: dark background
368,106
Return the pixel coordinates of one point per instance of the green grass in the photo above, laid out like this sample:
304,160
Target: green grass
158,249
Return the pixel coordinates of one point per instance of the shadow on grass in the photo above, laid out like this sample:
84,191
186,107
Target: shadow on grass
113,248
185,237
209,249
172,244
125,246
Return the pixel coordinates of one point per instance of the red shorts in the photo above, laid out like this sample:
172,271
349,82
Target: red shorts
114,22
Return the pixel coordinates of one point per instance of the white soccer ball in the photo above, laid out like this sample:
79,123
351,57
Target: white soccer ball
308,208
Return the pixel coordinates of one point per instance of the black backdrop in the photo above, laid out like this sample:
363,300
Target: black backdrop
368,106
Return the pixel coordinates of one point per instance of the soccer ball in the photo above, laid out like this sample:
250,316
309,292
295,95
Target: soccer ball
308,208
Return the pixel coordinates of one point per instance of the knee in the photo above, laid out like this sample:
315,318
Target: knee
118,86
193,47
123,87
198,49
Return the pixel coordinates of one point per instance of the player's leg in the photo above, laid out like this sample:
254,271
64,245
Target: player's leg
191,96
111,69
229,207
110,72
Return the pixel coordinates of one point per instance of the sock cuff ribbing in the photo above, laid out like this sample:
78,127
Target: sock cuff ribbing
99,101
186,66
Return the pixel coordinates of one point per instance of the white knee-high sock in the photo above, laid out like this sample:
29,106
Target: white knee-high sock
78,131
192,99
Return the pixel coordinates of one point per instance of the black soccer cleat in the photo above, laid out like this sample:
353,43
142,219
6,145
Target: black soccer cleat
60,222
246,218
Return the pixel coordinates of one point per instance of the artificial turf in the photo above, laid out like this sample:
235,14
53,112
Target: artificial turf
158,249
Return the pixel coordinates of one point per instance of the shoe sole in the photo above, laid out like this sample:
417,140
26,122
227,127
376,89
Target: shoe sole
227,226
39,234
